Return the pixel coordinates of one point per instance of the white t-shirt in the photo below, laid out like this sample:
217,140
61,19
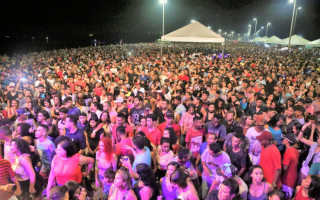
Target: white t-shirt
255,146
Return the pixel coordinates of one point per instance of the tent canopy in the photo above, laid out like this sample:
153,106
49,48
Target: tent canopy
295,40
272,40
194,32
261,39
315,43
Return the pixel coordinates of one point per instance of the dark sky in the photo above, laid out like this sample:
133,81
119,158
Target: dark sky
69,22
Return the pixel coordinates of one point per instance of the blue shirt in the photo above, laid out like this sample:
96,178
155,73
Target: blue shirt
142,158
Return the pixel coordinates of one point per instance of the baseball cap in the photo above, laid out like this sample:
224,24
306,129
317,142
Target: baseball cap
227,169
260,120
21,111
12,84
291,137
169,114
265,135
39,75
119,100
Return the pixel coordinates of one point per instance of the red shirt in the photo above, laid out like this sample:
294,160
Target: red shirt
175,127
154,136
67,170
98,91
195,138
184,78
291,159
120,150
270,161
59,73
6,172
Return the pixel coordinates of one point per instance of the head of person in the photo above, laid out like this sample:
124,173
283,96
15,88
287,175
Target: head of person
230,115
66,149
71,121
177,100
151,120
143,121
164,104
229,188
63,112
138,142
41,131
259,101
105,117
109,176
67,102
299,111
93,120
94,106
276,121
83,118
18,145
191,109
215,150
211,138
183,155
216,120
122,179
265,138
74,189
5,132
106,106
179,178
146,175
165,144
312,183
260,122
169,117
137,101
172,167
197,122
170,133
254,175
276,195
237,138
105,146
121,119
43,115
59,193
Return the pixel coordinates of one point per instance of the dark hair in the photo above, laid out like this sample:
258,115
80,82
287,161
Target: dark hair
45,114
5,130
248,178
274,120
24,129
182,152
191,106
215,147
108,118
239,136
121,130
73,119
217,116
121,115
314,187
146,175
174,163
83,114
94,117
72,188
172,135
138,141
153,117
232,185
165,140
22,145
44,126
179,177
279,193
110,174
63,110
196,118
147,142
58,192
69,147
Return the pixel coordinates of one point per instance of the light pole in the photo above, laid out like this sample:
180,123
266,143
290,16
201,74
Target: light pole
232,35
249,31
268,24
163,2
291,27
255,28
261,30
295,20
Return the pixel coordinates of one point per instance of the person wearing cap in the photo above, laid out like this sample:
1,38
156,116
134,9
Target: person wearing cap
290,163
12,93
270,159
252,133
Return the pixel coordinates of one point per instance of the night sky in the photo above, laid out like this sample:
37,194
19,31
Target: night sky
68,23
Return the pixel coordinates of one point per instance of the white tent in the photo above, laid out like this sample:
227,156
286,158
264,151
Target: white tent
315,43
262,39
194,32
257,39
295,40
272,40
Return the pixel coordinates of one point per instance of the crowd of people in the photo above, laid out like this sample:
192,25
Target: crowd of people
125,122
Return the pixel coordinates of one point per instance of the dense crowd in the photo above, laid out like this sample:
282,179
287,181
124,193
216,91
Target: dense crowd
125,122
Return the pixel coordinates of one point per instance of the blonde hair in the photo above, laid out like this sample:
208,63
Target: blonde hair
123,172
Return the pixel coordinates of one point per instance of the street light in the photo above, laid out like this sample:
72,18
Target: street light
163,2
232,34
255,28
219,31
291,27
209,27
295,20
268,24
193,20
249,31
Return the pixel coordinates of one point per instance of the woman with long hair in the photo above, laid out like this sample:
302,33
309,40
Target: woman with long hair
121,187
105,158
219,107
309,189
146,187
258,187
245,122
167,191
93,136
22,166
275,128
185,189
43,115
172,136
66,164
164,156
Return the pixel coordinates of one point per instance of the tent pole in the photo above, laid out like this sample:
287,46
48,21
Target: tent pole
222,50
161,49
